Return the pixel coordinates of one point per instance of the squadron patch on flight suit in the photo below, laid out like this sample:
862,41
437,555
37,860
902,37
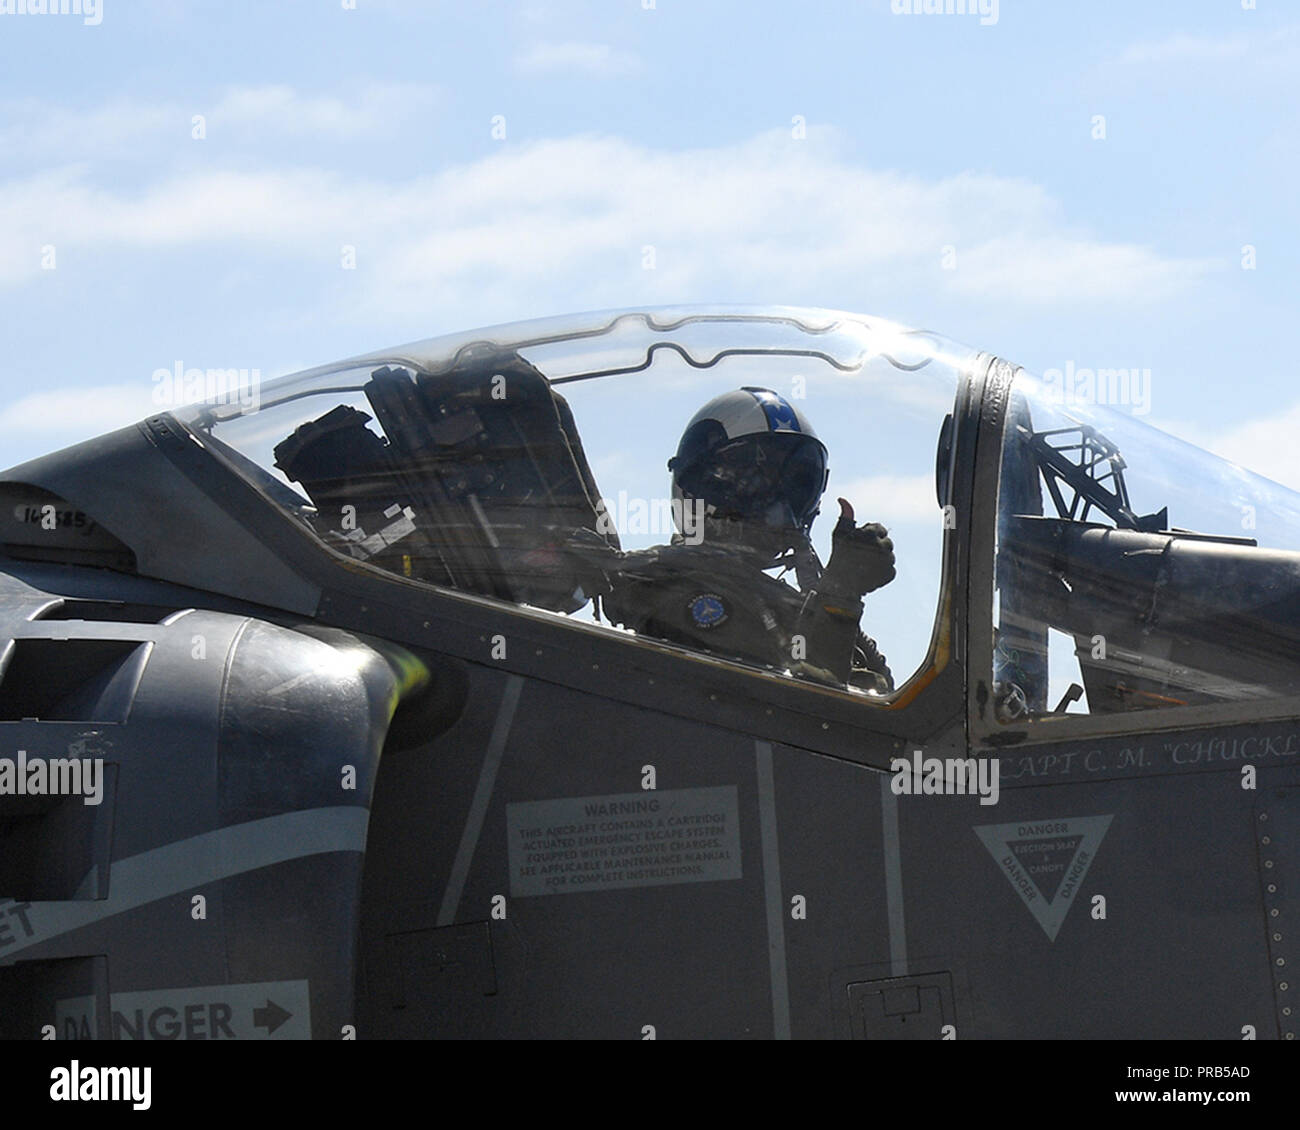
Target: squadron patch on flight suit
708,610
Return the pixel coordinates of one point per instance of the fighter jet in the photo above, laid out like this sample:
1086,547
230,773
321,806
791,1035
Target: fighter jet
530,682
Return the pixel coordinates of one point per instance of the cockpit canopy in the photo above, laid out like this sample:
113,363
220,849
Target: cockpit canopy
1134,571
529,463
472,462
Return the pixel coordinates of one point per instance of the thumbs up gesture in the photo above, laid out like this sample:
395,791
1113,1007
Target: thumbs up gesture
862,557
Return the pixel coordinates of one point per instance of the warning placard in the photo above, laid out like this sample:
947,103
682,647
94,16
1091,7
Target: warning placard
278,1010
607,843
1046,861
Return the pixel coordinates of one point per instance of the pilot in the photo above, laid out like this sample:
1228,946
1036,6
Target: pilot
748,477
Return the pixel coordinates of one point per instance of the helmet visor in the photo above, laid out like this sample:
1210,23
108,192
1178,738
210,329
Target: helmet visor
778,478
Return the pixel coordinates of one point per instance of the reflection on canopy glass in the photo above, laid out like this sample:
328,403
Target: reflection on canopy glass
471,463
1135,571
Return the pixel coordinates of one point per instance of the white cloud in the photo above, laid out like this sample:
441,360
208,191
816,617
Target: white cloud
375,111
573,216
888,499
1240,59
32,129
72,414
64,415
599,59
1187,48
1266,445
1059,268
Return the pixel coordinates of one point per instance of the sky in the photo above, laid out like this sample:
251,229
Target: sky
272,185
1092,185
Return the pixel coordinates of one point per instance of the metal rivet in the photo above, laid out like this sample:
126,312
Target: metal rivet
1268,863
1272,888
1273,913
1263,815
826,725
1265,840
1281,961
426,623
1277,937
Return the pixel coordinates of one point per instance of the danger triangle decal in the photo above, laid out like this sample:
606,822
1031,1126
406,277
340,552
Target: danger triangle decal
1046,861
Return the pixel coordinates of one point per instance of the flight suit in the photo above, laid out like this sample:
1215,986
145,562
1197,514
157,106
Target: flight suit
717,598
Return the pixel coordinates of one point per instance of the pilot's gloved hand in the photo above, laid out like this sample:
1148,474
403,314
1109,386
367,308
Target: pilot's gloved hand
862,557
592,560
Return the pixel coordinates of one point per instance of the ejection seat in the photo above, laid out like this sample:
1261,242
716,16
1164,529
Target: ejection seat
479,481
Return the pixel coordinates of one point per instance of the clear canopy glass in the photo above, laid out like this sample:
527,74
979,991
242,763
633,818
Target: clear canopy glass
1135,571
529,463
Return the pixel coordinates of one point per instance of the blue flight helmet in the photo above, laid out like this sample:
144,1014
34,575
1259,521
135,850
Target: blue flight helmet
757,465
